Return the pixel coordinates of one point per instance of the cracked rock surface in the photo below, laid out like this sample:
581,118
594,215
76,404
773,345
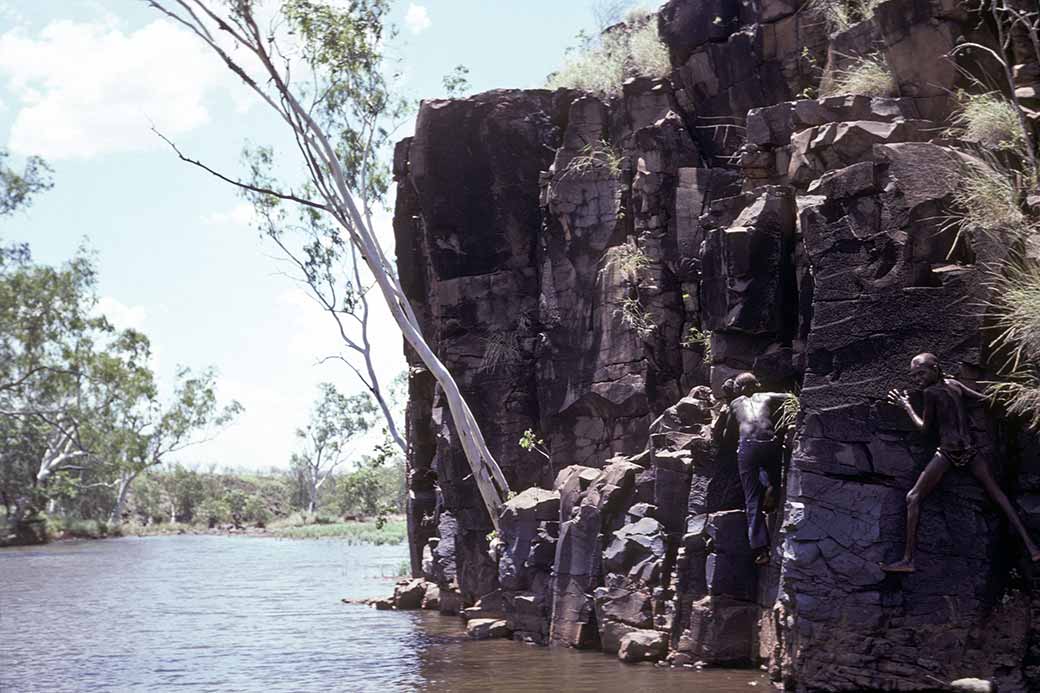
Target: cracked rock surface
593,270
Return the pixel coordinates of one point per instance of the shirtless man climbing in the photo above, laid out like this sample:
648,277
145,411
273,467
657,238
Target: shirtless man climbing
945,413
758,456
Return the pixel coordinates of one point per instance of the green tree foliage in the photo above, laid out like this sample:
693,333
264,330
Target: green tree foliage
376,487
18,188
336,421
81,415
456,82
213,512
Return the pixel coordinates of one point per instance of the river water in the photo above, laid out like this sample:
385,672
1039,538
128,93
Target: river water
213,613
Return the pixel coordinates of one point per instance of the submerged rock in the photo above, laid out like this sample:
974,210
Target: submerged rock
642,646
488,628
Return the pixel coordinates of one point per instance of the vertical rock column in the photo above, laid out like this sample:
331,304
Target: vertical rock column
467,224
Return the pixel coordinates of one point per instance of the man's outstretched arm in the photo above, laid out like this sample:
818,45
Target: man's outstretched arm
968,392
902,399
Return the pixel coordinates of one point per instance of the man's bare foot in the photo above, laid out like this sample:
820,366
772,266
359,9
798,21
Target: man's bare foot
903,566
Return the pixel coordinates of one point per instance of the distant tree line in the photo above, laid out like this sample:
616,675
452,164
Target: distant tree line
177,494
86,435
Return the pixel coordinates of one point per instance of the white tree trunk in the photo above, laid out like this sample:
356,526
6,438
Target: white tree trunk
317,149
116,518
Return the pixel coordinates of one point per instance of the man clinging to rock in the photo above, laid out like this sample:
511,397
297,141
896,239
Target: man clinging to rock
945,416
759,453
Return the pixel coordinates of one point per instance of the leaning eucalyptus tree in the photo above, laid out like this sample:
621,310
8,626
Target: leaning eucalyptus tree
319,68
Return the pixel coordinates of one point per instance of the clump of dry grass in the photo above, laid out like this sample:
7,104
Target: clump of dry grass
787,414
500,351
987,198
1021,398
599,155
602,64
1018,316
1016,306
839,15
990,120
867,76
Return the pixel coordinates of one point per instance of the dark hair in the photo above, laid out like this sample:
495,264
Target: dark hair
927,359
746,380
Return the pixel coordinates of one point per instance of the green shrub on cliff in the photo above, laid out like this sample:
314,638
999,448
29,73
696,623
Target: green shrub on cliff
600,65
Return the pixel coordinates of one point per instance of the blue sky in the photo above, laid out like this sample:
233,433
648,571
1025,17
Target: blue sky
81,83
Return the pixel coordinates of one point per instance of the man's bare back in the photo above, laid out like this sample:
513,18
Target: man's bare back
753,413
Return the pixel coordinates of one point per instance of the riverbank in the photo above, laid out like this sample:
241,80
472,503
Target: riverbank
391,532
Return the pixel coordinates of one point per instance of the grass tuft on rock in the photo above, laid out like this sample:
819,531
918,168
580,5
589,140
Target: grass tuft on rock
987,198
1016,307
867,76
990,120
840,15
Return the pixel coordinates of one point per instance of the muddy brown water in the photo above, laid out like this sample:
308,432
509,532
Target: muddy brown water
213,613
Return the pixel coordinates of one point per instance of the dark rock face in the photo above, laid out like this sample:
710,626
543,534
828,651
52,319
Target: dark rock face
594,271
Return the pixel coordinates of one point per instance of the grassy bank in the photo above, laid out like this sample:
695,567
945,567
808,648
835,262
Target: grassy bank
393,531
296,526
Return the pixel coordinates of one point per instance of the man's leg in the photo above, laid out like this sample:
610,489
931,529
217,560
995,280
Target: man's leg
769,475
926,483
980,468
747,465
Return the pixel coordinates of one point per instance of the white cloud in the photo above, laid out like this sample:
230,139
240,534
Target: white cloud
88,88
417,18
121,315
240,215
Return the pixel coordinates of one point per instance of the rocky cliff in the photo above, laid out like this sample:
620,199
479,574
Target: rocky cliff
593,269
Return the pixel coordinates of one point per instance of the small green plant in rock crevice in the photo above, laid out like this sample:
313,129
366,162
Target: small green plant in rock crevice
697,339
635,316
531,442
632,262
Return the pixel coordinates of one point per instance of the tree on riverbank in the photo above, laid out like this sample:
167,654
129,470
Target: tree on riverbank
150,431
80,411
336,421
329,89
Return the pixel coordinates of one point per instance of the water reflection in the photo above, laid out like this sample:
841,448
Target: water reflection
257,614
